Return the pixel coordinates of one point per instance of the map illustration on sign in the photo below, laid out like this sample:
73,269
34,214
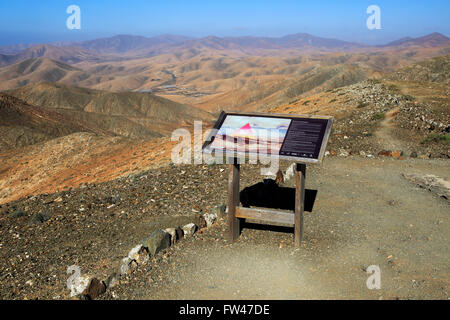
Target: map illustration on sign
293,137
252,134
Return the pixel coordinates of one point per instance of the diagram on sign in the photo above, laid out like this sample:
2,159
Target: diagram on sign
252,134
270,135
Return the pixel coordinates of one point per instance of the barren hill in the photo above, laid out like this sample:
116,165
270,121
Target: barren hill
23,124
122,44
128,104
434,39
35,70
63,54
432,70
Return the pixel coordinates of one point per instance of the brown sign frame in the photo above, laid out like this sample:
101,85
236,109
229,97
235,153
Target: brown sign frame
239,154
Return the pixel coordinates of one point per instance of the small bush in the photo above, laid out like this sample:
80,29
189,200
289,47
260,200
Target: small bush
437,138
18,213
378,116
41,217
362,104
393,87
332,100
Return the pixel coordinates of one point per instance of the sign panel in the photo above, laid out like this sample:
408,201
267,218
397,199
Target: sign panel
302,138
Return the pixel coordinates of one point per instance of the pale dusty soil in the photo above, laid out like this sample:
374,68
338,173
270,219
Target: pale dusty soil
353,225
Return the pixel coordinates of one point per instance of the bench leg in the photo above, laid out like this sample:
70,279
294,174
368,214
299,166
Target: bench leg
300,174
233,201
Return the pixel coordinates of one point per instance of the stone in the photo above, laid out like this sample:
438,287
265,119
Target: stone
133,264
385,153
200,221
392,203
78,285
112,280
424,156
157,241
435,184
210,219
343,153
135,252
221,210
125,266
397,154
180,233
189,229
95,288
290,172
139,254
173,235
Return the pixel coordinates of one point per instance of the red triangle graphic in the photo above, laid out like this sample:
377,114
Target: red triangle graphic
245,131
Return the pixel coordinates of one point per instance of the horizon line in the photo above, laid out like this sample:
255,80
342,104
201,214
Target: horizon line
212,35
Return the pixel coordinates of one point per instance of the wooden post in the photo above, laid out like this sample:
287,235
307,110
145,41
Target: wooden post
300,173
233,200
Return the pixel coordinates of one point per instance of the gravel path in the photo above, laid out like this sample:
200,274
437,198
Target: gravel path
365,214
385,135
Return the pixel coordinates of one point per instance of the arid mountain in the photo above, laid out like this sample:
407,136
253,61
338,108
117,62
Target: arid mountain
128,46
140,110
24,124
14,49
219,74
431,40
121,44
256,45
132,104
432,70
68,55
146,47
36,70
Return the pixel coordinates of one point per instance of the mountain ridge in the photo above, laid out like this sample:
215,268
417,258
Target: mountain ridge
73,52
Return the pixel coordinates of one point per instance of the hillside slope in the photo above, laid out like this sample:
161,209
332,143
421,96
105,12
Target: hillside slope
36,70
432,70
63,54
133,105
23,124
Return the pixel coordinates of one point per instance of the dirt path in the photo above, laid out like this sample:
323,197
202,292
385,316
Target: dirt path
385,135
365,214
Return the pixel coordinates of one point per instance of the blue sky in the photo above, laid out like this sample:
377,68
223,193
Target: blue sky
44,21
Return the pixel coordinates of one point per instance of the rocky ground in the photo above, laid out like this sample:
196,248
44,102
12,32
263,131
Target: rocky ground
366,213
420,118
94,225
